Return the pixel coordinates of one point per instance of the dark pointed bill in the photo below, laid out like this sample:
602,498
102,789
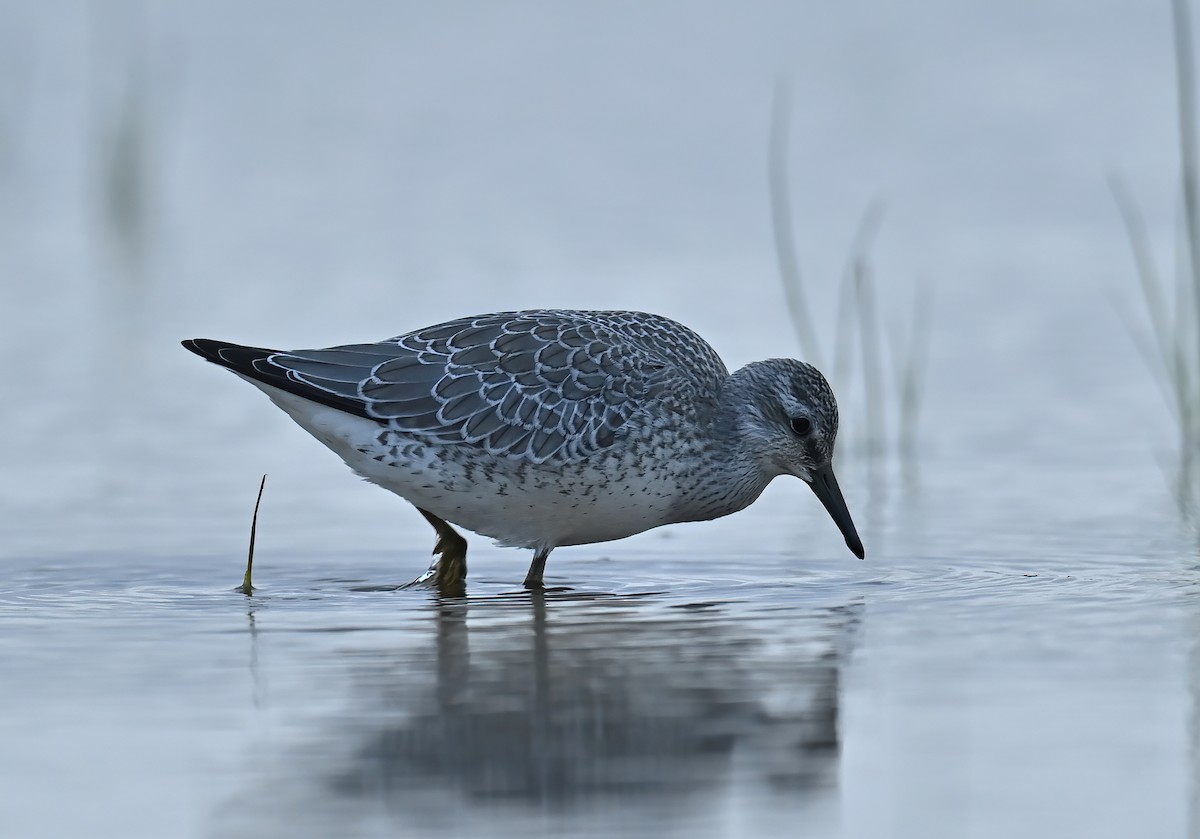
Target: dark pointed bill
825,485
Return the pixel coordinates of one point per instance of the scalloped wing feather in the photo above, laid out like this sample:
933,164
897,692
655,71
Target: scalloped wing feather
539,385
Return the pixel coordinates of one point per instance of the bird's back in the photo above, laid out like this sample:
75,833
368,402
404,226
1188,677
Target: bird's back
539,385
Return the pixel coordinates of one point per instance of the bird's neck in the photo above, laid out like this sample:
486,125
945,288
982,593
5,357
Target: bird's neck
736,473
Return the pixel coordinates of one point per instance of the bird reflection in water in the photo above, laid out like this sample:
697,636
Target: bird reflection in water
533,709
611,701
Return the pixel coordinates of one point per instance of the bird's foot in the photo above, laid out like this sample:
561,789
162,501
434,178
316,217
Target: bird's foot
533,580
451,565
448,571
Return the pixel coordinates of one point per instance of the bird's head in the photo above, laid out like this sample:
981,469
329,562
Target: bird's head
787,421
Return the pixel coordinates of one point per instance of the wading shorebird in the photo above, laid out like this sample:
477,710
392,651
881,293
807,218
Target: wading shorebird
547,428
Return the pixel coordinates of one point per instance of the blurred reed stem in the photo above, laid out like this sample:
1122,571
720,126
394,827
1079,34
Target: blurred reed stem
910,358
781,218
1185,71
873,405
1172,352
868,333
125,139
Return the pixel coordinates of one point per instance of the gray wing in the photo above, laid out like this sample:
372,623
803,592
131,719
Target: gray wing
532,385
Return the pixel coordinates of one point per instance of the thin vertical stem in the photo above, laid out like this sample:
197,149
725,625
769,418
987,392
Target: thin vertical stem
781,224
872,365
1139,243
860,246
247,588
843,335
1188,326
913,380
1186,85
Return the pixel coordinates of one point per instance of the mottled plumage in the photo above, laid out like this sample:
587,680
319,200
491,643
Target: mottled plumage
548,428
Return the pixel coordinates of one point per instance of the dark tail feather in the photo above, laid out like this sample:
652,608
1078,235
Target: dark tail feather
253,363
240,359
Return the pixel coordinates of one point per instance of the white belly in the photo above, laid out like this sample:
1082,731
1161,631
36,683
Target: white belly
516,503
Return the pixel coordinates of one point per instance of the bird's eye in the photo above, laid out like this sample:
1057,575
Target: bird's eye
801,426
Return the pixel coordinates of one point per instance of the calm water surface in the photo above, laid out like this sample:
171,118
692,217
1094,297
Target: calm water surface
1016,657
682,688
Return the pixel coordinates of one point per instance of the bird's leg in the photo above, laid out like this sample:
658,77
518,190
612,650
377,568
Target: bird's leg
448,571
533,580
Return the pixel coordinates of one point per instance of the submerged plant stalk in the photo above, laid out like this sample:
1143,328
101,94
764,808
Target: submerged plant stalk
247,588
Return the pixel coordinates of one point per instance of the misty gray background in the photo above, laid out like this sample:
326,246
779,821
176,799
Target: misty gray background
314,175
